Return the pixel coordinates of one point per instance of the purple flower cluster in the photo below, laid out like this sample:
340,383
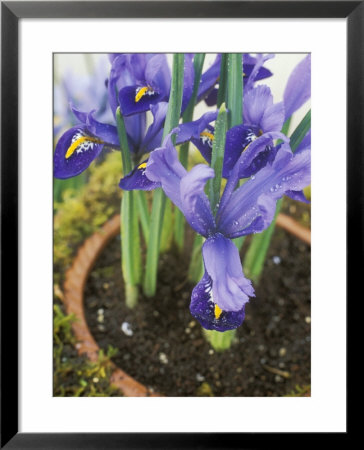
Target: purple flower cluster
139,83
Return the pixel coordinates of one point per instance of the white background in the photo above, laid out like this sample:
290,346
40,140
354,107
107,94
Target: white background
326,409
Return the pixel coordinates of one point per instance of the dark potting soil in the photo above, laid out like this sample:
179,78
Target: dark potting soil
162,346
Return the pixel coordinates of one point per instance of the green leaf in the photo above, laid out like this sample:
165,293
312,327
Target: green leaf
300,132
217,158
179,223
143,213
256,254
235,89
175,96
159,199
220,341
156,221
167,228
130,239
221,95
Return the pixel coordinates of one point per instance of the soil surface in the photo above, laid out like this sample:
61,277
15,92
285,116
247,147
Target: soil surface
162,346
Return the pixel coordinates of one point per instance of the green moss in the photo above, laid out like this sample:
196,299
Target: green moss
299,391
73,375
80,212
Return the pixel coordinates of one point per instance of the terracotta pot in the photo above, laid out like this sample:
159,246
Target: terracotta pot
74,285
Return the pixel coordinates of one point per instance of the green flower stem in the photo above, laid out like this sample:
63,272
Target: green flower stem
221,95
255,256
150,278
167,227
159,200
220,340
179,223
143,213
217,158
130,239
235,89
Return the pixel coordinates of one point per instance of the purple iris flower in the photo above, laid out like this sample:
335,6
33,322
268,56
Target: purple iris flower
152,84
262,120
81,144
140,80
139,83
218,300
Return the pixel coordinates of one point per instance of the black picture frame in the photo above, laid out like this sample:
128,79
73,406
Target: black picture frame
11,12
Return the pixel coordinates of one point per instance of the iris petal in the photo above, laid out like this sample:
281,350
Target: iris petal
137,179
202,307
75,151
194,202
129,104
251,208
157,74
298,89
107,133
218,300
230,289
153,137
185,189
195,128
260,112
237,140
165,168
209,78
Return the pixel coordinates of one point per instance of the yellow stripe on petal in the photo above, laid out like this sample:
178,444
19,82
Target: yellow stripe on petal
217,311
74,146
140,92
208,135
142,165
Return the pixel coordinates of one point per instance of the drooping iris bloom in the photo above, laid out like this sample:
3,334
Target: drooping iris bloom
81,144
218,300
